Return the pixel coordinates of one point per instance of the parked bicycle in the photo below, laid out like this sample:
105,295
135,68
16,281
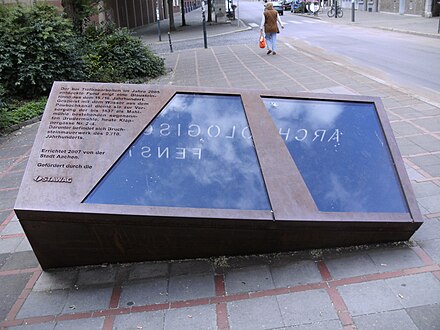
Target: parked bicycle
331,12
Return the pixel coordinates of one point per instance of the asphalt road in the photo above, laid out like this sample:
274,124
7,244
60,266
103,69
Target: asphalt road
407,60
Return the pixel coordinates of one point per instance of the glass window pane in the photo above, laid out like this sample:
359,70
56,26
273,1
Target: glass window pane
197,153
341,152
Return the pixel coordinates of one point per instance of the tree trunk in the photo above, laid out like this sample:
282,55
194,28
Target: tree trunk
80,11
209,10
182,8
171,15
72,13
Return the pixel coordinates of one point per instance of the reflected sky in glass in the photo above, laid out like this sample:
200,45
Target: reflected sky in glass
197,153
341,152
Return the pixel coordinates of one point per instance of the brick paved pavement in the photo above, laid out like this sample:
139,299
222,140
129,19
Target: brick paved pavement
393,286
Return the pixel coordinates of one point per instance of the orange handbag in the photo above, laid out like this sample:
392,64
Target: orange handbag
262,41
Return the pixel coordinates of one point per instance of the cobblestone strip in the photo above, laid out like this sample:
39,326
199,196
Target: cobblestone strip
424,257
171,78
12,236
114,301
19,271
274,67
427,176
341,308
9,189
15,163
6,222
248,69
221,308
220,68
221,298
384,276
196,60
402,119
108,322
317,57
336,298
10,318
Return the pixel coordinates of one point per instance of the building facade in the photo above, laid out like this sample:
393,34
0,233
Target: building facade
136,13
426,8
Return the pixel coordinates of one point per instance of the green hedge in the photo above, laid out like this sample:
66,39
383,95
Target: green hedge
114,55
37,46
17,112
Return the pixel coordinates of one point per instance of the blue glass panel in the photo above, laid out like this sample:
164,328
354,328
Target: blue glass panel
341,152
197,153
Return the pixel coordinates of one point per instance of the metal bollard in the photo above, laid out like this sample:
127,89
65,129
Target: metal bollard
438,30
158,30
169,39
205,39
352,10
158,21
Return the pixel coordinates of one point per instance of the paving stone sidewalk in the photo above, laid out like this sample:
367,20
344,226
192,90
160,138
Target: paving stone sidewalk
390,286
410,24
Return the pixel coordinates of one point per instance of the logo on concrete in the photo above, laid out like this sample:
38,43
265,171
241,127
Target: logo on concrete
53,179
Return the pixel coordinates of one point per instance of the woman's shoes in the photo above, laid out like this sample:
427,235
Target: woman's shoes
269,51
274,53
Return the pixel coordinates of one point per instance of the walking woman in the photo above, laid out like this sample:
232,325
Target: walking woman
269,23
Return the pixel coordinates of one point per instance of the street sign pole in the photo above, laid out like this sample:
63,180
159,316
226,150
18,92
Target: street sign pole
238,12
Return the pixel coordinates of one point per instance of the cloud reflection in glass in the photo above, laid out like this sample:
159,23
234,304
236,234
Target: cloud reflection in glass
341,152
197,153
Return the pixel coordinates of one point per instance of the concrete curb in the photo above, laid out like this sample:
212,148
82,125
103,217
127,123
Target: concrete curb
16,127
385,28
245,28
422,34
